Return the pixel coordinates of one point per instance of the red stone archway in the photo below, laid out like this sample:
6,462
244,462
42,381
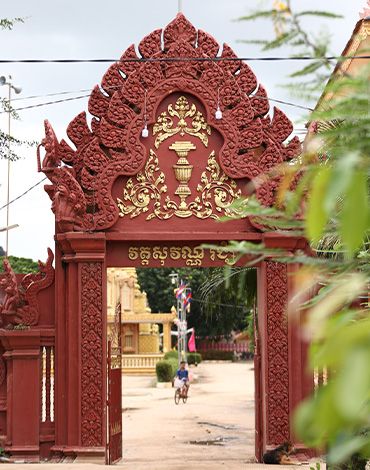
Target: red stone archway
121,199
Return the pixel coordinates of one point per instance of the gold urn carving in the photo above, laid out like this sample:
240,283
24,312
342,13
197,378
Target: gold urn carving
183,171
147,192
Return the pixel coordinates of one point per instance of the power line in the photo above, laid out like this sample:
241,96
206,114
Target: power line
287,103
41,181
106,88
69,92
179,59
21,195
244,307
66,92
39,105
24,98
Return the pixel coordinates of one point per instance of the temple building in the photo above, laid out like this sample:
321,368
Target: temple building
357,45
142,344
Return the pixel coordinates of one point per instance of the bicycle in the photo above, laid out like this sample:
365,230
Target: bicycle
181,393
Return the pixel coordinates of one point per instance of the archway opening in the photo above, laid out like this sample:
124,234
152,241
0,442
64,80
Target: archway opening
218,420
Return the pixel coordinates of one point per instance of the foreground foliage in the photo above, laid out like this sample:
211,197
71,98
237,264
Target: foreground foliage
330,206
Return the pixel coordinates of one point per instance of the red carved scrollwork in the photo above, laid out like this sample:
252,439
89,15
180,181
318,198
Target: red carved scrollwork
91,355
21,305
253,142
31,285
278,429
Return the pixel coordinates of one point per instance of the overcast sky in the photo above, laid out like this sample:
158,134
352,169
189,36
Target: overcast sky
91,29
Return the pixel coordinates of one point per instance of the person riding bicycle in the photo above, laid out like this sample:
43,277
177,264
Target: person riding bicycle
183,375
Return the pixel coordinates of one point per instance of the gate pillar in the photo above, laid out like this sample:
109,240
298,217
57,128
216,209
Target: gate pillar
284,380
80,398
22,353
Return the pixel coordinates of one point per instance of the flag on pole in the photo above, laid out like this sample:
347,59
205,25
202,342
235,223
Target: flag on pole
191,342
187,299
180,290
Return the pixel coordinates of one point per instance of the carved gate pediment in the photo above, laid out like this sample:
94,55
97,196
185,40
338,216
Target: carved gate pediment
133,94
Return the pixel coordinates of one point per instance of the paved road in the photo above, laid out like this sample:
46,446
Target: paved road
215,426
213,431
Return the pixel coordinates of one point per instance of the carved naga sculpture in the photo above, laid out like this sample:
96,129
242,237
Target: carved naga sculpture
12,298
20,305
68,200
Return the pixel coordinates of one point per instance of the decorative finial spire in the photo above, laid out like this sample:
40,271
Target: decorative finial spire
366,12
180,5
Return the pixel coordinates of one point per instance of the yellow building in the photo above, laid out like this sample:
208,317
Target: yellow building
139,327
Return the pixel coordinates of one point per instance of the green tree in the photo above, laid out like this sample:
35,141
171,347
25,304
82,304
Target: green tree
228,296
20,265
217,308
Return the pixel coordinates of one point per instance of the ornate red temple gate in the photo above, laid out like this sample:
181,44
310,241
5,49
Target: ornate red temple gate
146,185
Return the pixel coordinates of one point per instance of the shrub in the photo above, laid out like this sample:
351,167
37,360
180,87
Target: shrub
174,365
164,371
171,355
217,355
194,358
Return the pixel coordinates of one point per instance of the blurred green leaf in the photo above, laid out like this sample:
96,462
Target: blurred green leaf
259,14
281,40
253,41
317,216
353,385
341,177
311,68
343,449
343,333
326,14
354,217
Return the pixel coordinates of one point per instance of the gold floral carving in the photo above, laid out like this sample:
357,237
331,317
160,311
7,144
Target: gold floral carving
165,126
148,187
217,194
193,256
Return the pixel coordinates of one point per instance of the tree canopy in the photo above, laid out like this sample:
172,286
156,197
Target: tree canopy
20,265
218,306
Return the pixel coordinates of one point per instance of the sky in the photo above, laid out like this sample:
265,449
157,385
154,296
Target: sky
91,29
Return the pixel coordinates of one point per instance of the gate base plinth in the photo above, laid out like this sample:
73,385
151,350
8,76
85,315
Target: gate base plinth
27,453
303,453
80,454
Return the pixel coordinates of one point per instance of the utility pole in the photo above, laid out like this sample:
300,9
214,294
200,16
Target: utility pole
17,90
181,323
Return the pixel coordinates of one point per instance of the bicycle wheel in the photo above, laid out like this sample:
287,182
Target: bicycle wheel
177,396
184,394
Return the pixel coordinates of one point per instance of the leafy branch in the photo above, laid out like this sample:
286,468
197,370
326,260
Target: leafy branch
6,140
6,23
290,32
334,192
